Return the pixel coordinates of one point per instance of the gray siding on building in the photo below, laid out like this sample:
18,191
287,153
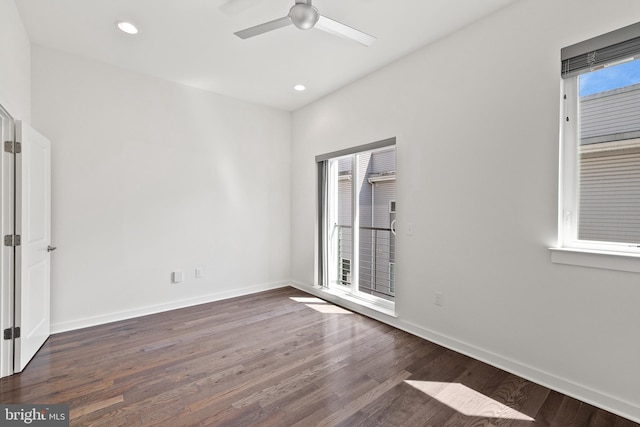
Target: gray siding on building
365,164
609,169
344,164
384,161
365,169
344,202
383,193
376,247
613,113
610,196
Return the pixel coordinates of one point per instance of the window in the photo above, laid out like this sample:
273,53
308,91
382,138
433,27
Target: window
356,221
600,170
392,277
345,272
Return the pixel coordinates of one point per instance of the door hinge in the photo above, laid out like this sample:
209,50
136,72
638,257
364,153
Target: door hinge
12,147
11,333
12,240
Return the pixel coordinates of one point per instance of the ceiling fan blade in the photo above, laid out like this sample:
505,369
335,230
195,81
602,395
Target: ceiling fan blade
339,29
264,28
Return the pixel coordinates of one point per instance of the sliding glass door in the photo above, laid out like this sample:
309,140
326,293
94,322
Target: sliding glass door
357,217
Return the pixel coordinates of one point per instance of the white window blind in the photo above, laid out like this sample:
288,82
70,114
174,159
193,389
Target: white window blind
610,194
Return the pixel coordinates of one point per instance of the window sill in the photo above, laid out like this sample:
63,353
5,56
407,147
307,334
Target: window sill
387,309
619,261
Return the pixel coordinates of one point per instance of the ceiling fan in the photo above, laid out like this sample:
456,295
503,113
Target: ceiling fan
304,16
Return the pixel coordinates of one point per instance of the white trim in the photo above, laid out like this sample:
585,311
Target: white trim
348,300
373,146
568,201
382,178
372,301
159,308
621,261
356,188
6,255
581,392
9,106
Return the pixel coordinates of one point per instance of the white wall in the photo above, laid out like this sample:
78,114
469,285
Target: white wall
151,177
476,116
15,63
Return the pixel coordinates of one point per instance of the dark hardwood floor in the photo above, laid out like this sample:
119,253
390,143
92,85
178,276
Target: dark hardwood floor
270,360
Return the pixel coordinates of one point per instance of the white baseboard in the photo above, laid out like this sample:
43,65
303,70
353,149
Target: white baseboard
159,308
583,393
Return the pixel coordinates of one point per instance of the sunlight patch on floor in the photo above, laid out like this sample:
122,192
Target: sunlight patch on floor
320,305
467,401
328,309
312,300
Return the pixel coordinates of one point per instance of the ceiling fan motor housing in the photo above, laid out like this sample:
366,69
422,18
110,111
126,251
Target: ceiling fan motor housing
304,16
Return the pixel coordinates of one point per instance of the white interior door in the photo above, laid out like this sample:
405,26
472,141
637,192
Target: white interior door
33,224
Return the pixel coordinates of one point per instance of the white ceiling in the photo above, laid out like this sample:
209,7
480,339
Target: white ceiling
192,42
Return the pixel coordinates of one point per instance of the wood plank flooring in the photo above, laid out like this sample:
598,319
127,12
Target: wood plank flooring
279,358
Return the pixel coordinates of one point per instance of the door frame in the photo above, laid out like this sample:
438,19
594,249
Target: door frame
7,253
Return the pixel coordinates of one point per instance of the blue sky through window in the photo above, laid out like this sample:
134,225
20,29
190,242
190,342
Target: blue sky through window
609,78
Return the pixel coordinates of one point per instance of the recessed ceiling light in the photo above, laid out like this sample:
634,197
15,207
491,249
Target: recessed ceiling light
300,88
127,27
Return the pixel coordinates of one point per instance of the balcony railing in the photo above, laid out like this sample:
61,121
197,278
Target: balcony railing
377,260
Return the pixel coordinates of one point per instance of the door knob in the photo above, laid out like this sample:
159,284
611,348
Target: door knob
51,248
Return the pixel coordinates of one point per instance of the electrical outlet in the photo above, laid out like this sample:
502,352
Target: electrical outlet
439,299
199,273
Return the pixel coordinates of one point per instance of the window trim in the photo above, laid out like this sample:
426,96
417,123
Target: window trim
570,249
384,143
568,212
608,260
